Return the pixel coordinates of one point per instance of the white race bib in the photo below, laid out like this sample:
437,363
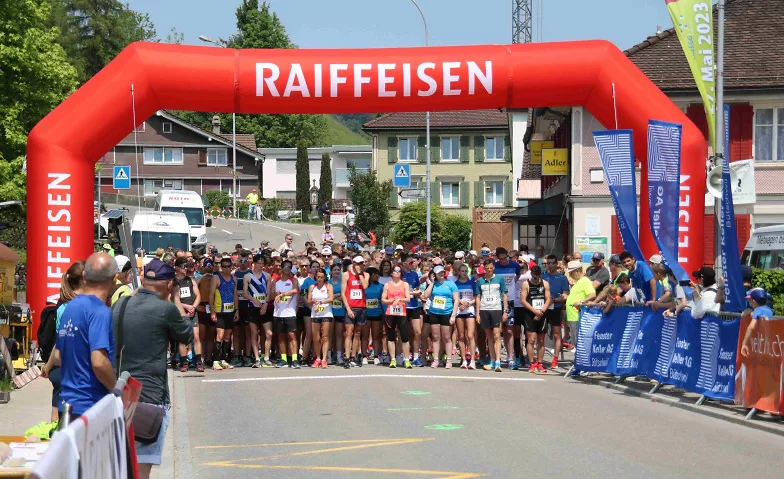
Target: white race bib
355,294
396,310
490,300
466,295
260,297
439,302
185,291
538,303
228,307
509,280
284,299
372,303
207,308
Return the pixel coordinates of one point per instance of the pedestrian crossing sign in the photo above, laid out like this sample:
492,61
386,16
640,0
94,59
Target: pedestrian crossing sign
402,176
121,179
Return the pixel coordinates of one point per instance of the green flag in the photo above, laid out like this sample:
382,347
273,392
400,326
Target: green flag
693,21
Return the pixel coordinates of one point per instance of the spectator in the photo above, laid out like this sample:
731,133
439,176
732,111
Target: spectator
642,277
253,200
582,291
598,273
540,257
758,300
85,346
704,293
144,324
122,281
616,268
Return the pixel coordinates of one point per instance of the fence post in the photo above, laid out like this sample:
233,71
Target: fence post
751,414
701,400
656,388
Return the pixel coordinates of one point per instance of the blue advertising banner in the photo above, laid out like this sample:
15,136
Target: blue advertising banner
664,186
696,355
730,257
616,151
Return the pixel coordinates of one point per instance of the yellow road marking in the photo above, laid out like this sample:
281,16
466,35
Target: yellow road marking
312,443
438,474
392,442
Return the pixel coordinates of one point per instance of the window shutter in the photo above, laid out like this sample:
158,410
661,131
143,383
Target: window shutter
479,149
617,239
421,149
708,240
508,194
743,229
696,114
392,149
465,144
435,149
464,185
202,155
479,193
435,193
393,197
507,149
741,132
229,157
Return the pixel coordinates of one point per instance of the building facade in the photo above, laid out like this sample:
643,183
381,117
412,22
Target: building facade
470,153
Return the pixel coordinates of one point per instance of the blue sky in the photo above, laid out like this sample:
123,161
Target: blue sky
396,23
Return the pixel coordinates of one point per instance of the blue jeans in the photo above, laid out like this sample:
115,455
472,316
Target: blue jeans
252,211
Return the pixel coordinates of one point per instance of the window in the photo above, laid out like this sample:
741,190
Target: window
494,148
286,195
597,175
407,149
163,156
532,235
151,187
166,127
450,149
227,187
494,193
450,194
769,134
217,157
286,167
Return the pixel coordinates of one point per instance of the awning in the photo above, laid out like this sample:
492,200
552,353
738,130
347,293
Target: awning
7,254
541,211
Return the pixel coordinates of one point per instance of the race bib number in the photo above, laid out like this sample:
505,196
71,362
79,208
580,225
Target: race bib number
355,294
538,303
260,297
509,280
372,303
466,295
439,302
185,292
320,309
207,308
337,303
491,300
284,299
228,307
396,310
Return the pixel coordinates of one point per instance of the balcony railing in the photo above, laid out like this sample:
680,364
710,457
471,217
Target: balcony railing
342,174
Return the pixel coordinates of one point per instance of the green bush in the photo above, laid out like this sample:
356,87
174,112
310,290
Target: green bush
243,207
773,282
218,198
454,233
270,208
447,231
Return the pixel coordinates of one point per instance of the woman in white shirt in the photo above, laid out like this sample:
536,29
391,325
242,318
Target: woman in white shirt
320,296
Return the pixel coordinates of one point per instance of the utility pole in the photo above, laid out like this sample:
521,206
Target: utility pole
720,162
522,27
427,134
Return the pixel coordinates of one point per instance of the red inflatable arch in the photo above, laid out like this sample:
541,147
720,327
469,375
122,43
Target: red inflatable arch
63,148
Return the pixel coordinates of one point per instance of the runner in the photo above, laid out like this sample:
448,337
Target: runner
338,312
375,311
535,298
466,317
304,323
254,290
203,311
559,290
395,296
286,292
320,296
353,286
185,294
224,314
493,309
444,296
414,305
242,346
510,272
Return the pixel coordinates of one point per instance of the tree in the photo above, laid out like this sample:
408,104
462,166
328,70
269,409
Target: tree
370,199
447,231
325,180
174,37
303,180
35,76
454,232
93,32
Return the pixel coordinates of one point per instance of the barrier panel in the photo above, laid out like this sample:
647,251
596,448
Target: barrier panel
760,380
696,355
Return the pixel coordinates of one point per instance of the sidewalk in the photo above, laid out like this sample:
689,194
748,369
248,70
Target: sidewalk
28,406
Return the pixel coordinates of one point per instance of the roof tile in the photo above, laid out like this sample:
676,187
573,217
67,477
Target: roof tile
441,119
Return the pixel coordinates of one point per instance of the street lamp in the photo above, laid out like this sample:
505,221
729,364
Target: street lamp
427,134
221,43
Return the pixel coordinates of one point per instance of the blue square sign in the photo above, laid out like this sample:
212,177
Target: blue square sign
402,176
122,178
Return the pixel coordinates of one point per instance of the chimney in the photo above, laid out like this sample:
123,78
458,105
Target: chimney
658,29
216,124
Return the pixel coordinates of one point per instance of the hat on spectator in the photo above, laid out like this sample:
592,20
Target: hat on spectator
107,247
437,260
275,254
208,263
158,270
459,255
656,259
573,265
757,294
389,250
706,273
598,256
485,251
747,273
122,263
438,269
399,247
615,259
326,251
359,259
473,252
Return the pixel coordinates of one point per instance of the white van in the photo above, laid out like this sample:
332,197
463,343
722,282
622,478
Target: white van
151,230
765,249
190,204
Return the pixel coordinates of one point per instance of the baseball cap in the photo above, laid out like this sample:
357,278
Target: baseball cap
158,270
359,259
757,294
573,265
208,263
107,247
599,256
275,254
438,269
123,262
326,251
473,252
214,251
459,255
615,259
389,250
656,259
399,247
706,272
747,273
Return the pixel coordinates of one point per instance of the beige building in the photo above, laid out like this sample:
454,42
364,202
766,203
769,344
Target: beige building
470,154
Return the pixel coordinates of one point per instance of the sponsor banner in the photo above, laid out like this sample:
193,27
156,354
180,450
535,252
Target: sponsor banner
730,261
758,381
697,356
693,22
616,150
664,187
555,162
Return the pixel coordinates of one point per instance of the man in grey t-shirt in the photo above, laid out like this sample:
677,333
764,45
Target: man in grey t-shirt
598,273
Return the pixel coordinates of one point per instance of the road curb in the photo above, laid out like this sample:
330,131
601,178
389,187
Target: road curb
703,410
181,453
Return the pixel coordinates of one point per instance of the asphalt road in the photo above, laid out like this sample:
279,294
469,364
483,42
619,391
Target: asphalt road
377,422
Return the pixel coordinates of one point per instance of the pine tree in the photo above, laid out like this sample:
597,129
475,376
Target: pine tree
303,180
325,181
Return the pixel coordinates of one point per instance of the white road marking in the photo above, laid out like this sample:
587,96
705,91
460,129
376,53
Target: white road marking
227,232
264,223
363,376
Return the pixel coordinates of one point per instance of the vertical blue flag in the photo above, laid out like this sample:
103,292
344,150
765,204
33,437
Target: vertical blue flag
617,154
730,259
664,187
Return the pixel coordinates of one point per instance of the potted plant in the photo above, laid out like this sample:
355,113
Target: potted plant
6,385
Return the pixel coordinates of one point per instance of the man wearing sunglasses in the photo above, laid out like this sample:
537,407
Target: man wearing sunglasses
242,347
598,273
559,290
186,294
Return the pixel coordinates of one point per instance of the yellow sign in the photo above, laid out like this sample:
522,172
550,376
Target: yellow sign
536,150
7,270
556,161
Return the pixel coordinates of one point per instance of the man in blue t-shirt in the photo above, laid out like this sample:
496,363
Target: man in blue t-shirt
85,343
642,276
559,290
758,300
509,271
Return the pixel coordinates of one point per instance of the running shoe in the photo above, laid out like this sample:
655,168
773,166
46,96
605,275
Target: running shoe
353,364
488,367
346,364
434,364
400,358
554,364
518,363
184,367
364,361
316,363
407,364
173,363
216,366
393,364
472,365
236,362
532,368
267,363
377,361
540,369
329,357
199,367
282,364
448,365
324,364
226,365
454,351
256,364
358,360
498,367
418,363
514,366
247,362
464,364
296,365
